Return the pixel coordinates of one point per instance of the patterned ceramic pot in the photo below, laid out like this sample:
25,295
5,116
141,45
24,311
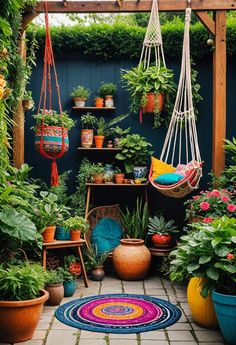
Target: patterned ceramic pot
52,139
109,173
86,137
79,102
140,172
109,102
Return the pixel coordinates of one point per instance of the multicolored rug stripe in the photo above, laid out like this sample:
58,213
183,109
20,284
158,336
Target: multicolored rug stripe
118,313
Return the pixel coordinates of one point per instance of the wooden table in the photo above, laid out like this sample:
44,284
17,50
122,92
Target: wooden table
66,244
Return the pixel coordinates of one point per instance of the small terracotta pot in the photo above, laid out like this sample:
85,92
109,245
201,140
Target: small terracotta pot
99,102
19,319
97,273
98,179
56,293
86,137
126,181
154,101
99,140
75,235
49,233
119,178
79,101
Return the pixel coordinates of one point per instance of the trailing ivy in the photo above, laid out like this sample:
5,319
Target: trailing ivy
117,42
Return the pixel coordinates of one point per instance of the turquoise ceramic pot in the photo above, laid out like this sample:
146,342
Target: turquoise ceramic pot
140,172
69,288
62,234
225,308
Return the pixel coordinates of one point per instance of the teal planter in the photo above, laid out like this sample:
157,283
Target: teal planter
225,308
62,234
69,288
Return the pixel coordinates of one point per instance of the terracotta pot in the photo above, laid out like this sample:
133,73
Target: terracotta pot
75,235
109,101
131,259
99,102
99,140
98,179
49,233
97,273
158,239
19,319
126,181
202,309
56,293
119,178
79,101
86,137
154,101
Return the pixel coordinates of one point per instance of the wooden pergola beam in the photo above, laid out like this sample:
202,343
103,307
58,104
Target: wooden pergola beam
133,6
207,21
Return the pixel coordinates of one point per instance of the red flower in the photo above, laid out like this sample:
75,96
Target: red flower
224,198
207,220
231,208
215,193
75,269
196,197
204,205
230,256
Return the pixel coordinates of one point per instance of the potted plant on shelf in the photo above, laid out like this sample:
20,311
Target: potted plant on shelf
161,230
77,226
134,153
104,128
119,133
119,176
69,272
21,301
97,262
51,124
107,91
54,286
97,171
209,205
88,121
27,101
80,94
207,253
148,88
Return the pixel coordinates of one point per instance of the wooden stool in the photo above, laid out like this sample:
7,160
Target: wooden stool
66,244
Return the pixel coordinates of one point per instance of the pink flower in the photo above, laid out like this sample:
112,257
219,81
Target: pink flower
207,220
230,256
231,208
196,197
215,193
224,198
204,206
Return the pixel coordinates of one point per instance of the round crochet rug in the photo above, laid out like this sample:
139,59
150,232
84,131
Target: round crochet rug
118,313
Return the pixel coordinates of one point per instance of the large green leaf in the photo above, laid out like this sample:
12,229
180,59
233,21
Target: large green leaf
221,250
17,225
5,27
204,259
213,273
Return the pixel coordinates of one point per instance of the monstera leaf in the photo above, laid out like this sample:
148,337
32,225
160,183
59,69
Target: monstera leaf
17,225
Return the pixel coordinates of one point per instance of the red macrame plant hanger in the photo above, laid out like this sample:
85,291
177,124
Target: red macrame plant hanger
46,100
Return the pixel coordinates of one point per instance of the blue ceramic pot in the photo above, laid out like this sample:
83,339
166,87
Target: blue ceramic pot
225,308
62,234
140,172
69,288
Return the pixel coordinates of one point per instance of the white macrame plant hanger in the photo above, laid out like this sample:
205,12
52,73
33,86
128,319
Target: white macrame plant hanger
182,128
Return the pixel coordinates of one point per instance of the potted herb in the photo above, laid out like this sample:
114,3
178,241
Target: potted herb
80,94
97,171
21,301
54,286
107,91
77,226
97,262
134,153
27,102
104,128
51,124
119,176
208,253
161,230
148,88
88,121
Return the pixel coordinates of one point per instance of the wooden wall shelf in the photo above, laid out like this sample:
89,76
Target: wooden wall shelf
118,184
94,108
99,149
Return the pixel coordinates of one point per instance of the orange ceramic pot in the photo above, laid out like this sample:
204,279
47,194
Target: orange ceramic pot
99,102
75,235
98,179
49,233
99,140
154,101
131,259
56,293
119,178
86,137
202,309
19,319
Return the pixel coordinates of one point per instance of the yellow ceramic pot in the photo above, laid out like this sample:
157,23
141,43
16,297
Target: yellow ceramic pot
202,309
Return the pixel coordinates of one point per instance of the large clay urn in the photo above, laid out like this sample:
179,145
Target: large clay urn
131,259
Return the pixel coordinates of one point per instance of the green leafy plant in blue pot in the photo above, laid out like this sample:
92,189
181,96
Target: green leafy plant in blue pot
209,251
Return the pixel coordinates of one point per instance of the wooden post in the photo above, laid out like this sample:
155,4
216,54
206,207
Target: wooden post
18,118
219,94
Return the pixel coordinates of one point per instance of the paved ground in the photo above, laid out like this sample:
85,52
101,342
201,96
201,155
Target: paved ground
185,332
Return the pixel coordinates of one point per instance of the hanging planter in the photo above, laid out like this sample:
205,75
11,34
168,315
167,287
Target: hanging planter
153,103
52,139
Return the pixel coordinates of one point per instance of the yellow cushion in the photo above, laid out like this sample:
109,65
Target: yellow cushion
159,167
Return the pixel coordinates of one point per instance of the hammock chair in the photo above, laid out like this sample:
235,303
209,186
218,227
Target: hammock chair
50,141
182,130
152,45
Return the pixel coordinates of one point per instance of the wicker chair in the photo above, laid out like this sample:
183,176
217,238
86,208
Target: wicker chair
97,213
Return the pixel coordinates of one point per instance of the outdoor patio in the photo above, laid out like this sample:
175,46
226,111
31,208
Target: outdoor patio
184,332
